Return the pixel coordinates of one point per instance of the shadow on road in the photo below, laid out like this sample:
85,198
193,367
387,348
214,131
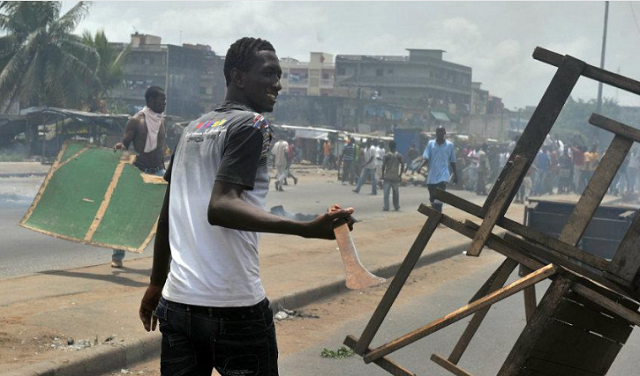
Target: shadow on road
118,276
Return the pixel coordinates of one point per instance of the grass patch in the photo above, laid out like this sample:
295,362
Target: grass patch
341,353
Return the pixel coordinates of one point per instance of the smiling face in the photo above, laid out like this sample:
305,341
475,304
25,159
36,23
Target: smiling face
261,83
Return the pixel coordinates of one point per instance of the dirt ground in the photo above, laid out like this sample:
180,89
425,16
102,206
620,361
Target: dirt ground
297,334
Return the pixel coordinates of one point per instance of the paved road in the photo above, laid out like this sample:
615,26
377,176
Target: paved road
485,355
23,251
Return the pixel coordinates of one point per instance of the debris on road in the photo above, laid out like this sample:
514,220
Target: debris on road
284,314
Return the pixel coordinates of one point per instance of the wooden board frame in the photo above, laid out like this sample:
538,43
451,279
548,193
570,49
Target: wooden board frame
126,158
571,269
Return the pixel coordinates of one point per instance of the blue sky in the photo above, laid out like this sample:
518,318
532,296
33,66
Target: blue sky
495,38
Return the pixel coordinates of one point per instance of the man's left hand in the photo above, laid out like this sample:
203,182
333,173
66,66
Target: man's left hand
455,179
148,305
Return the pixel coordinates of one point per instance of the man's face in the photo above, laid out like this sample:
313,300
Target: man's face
158,103
440,132
261,83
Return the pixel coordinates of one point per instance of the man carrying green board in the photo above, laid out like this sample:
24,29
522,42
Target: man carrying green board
147,131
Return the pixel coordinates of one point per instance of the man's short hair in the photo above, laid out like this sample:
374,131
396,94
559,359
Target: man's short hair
152,93
242,55
392,145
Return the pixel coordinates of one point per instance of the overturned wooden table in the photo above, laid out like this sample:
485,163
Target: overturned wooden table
591,306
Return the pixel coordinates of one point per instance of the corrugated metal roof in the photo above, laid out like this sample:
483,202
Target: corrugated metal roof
441,116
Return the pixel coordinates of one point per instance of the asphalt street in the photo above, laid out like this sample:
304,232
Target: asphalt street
484,356
24,251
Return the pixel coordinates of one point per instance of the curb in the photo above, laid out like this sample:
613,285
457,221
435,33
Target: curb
109,358
23,175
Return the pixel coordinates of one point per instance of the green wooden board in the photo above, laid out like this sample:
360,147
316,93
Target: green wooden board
95,196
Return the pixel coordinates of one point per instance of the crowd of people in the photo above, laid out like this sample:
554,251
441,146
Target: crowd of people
560,167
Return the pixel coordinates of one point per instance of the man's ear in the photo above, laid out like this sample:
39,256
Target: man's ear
237,77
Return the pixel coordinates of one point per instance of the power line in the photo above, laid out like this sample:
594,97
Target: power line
634,17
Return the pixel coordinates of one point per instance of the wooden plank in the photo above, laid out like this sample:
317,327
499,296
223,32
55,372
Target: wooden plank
499,278
385,363
530,301
601,75
449,366
398,282
596,189
586,318
626,262
525,343
617,308
542,119
547,368
615,127
573,347
484,290
496,243
459,314
546,255
524,231
625,302
502,199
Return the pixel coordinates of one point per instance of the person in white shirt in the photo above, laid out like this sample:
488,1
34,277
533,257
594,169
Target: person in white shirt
211,304
280,150
369,168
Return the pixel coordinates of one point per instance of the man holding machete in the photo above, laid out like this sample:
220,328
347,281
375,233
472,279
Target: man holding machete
210,303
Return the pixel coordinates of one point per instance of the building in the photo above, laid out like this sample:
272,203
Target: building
479,99
314,78
421,82
191,75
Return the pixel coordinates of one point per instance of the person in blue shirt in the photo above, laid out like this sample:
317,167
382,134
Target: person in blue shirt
440,159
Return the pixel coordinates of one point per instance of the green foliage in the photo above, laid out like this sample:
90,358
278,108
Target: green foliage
573,121
41,62
110,72
341,353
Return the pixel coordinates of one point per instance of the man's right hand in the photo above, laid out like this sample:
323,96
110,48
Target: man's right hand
322,226
148,305
119,146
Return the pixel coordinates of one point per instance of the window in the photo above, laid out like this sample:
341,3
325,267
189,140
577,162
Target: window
341,72
325,76
285,75
389,70
379,72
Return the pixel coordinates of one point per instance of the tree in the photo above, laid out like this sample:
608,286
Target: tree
110,72
42,63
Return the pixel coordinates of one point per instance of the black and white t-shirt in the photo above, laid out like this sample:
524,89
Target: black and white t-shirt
211,265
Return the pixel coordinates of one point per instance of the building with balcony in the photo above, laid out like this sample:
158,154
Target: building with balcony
314,78
191,75
421,82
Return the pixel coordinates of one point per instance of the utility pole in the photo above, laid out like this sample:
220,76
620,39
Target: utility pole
604,46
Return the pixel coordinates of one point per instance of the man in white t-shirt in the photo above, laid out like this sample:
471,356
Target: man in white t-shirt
211,303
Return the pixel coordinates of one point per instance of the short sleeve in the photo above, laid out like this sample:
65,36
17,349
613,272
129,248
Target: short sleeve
427,152
241,156
452,154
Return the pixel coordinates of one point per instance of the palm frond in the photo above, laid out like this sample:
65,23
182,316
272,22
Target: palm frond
8,46
12,74
68,22
87,54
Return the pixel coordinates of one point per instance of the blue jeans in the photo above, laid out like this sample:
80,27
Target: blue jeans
391,185
436,204
118,254
234,340
363,178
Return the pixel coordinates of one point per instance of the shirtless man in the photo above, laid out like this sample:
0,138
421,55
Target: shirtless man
147,131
